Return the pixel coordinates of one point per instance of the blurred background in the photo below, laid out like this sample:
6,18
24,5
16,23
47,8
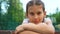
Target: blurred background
12,13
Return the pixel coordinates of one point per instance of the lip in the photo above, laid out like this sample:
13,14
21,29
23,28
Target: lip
36,21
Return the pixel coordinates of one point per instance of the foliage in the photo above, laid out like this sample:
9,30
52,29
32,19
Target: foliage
14,15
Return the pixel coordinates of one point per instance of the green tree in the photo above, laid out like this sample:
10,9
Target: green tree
57,17
14,15
15,11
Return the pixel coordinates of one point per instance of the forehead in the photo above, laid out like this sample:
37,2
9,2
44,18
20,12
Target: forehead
35,8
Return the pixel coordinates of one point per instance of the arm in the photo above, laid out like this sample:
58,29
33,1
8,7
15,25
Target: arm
28,32
46,28
24,27
42,28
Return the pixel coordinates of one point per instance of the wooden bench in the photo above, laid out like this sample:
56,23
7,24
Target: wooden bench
6,32
12,32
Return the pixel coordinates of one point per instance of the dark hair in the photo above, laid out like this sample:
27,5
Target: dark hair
34,2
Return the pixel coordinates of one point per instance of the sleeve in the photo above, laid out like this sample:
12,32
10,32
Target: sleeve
25,21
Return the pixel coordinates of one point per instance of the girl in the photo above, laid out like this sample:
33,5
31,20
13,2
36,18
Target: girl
36,21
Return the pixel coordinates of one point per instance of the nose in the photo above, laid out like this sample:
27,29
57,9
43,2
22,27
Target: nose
35,16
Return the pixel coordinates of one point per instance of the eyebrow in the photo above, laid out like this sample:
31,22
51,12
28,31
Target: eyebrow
31,12
38,11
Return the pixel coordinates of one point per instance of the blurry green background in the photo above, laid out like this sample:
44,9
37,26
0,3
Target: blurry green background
12,15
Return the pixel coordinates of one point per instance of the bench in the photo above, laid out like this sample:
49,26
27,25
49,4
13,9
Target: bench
12,32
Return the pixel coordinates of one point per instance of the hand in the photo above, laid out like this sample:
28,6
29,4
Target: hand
19,29
23,27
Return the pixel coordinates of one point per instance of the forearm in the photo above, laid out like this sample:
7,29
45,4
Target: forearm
28,32
46,29
43,28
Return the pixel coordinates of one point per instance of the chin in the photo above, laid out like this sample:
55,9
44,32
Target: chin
36,22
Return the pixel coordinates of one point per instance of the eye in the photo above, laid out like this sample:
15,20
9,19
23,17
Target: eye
38,13
31,13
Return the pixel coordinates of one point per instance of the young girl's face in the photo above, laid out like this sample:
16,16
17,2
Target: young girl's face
36,14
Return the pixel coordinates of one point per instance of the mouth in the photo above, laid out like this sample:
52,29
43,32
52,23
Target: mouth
36,21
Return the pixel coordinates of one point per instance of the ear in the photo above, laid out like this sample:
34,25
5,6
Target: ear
44,13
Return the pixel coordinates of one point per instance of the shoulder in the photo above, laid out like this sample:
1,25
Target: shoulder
47,20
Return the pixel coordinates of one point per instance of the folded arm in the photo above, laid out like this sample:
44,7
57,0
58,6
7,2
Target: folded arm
41,28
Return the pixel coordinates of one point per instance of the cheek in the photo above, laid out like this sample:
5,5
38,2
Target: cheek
41,17
30,17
